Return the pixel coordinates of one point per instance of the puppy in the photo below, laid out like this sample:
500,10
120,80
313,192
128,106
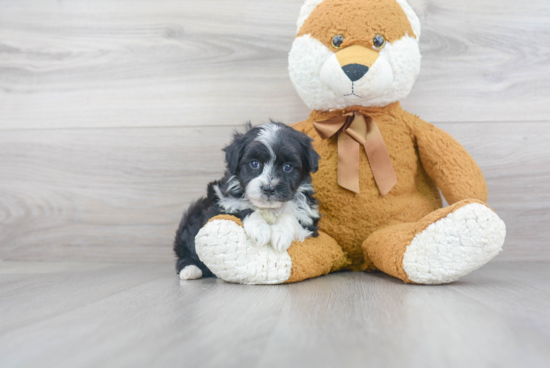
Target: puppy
267,185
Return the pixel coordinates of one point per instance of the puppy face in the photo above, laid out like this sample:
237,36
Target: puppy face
355,52
271,162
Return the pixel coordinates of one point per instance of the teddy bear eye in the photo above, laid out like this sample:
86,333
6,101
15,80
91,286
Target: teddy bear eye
337,41
379,42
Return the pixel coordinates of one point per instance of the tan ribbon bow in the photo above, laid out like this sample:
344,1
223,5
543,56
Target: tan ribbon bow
354,130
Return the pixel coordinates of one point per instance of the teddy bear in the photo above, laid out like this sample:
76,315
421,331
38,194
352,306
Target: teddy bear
382,169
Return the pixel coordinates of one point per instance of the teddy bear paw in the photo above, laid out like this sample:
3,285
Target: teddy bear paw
224,247
454,246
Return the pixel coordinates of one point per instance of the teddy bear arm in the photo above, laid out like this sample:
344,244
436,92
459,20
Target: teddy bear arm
451,167
315,257
223,246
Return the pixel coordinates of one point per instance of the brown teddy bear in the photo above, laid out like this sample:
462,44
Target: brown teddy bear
381,167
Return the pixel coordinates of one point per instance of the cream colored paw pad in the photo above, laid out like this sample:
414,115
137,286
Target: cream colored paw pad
224,248
454,246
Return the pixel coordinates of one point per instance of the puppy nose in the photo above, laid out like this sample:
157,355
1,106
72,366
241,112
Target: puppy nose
355,71
268,190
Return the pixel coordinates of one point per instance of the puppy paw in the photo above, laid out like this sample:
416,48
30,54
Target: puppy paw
281,238
190,272
258,231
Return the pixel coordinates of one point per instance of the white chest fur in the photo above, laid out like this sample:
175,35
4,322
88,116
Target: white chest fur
269,215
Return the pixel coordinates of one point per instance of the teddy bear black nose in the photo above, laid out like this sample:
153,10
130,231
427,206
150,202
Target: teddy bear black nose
355,71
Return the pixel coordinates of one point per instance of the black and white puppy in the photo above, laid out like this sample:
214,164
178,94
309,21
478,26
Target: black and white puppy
267,185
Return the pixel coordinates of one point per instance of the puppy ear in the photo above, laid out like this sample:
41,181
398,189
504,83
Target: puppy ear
310,156
234,151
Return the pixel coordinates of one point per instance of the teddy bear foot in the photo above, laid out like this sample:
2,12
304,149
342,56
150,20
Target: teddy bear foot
455,245
223,246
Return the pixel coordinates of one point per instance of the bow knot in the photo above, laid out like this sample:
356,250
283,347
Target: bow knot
355,129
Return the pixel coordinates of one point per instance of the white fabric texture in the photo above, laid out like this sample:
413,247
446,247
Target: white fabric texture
226,250
454,246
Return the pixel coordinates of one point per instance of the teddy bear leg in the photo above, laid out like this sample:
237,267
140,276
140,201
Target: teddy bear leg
223,246
442,247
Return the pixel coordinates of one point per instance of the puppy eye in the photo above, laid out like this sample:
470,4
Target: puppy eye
379,42
337,41
255,165
288,168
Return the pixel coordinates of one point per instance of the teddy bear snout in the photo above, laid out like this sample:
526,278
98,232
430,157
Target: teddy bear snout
355,71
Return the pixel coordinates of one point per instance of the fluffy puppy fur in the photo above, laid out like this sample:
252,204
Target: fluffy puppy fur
267,185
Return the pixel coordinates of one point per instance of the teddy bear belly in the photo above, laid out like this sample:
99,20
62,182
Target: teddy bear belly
351,218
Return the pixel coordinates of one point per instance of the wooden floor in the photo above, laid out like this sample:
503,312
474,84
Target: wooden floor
142,315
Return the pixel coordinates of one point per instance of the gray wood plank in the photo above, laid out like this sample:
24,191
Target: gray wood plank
389,324
14,275
162,323
148,63
70,289
475,67
102,194
112,63
118,194
516,290
345,319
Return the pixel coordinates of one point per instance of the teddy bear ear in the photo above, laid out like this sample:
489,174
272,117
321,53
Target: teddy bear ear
306,10
310,5
413,18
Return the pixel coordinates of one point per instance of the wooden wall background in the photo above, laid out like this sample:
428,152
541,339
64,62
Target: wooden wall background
113,112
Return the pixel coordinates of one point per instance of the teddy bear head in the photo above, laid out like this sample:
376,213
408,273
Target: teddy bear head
355,53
